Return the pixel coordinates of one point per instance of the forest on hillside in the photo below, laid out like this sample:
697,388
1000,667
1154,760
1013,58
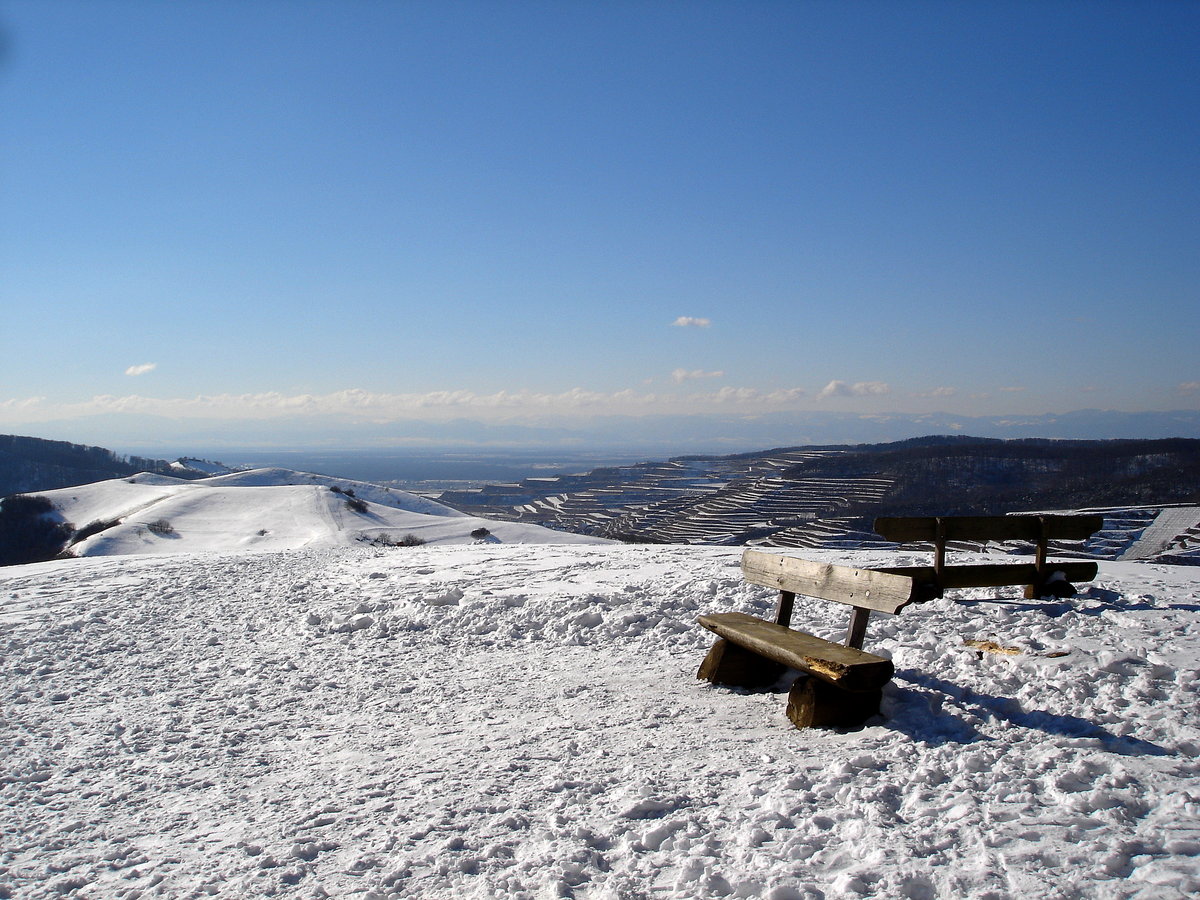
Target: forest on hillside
980,476
35,464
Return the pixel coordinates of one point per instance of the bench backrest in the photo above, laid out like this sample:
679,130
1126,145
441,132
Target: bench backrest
988,528
1041,529
863,588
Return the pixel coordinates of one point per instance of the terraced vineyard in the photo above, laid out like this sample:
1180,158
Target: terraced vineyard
711,500
827,497
1168,534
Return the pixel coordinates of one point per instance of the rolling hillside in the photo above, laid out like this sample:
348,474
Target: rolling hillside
266,509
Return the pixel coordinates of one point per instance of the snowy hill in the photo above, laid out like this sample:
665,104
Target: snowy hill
190,466
525,721
266,509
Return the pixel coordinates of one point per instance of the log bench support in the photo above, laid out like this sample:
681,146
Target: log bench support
734,665
814,704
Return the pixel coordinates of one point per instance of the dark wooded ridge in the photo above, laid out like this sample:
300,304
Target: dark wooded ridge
30,464
30,530
981,476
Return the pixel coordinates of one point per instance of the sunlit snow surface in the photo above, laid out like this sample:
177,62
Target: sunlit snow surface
524,721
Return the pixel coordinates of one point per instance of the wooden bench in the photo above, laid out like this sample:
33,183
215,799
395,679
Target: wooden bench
845,683
1040,577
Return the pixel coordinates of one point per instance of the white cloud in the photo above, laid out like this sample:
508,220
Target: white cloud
858,389
733,395
1188,387
940,392
1012,389
834,389
691,322
785,395
679,376
142,369
21,404
355,404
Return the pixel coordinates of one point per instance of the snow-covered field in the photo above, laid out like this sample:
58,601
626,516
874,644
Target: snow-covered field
524,721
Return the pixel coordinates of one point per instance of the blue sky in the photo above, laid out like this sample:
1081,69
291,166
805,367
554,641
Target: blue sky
538,211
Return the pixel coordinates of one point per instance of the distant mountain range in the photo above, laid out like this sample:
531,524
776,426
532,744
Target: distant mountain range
653,435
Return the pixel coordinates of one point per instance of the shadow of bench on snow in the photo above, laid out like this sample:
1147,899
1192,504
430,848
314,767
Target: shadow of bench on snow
912,713
1102,600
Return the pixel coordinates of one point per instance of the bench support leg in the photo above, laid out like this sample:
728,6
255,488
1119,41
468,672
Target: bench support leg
727,663
783,612
857,630
1058,588
1034,591
815,704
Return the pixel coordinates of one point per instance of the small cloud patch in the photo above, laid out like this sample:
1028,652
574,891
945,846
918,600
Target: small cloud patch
17,403
142,369
858,389
679,376
691,322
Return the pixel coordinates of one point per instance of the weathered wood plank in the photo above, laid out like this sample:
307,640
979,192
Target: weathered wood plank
991,574
867,588
845,667
988,528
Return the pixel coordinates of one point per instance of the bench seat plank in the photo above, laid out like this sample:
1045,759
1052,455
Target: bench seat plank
865,588
845,667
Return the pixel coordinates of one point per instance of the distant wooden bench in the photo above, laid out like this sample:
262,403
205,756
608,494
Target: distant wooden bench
845,683
1040,577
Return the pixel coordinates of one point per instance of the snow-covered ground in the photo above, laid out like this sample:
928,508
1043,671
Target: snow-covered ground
268,509
524,721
